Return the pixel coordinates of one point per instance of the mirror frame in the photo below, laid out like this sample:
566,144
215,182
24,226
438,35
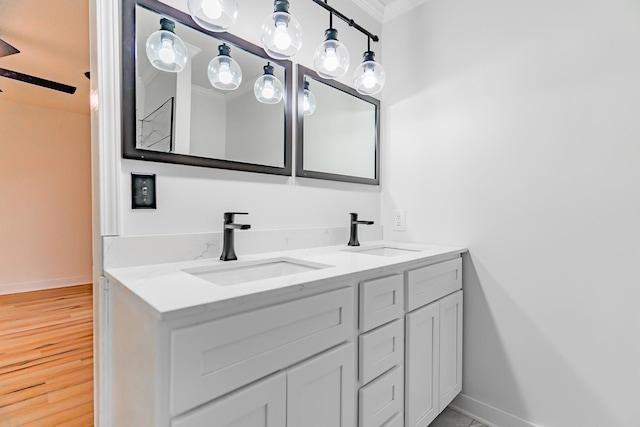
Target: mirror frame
129,150
300,170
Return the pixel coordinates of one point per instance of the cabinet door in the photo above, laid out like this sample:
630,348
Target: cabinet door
450,348
421,369
321,391
259,405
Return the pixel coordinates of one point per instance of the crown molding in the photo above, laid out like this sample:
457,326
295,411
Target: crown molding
399,7
383,13
374,8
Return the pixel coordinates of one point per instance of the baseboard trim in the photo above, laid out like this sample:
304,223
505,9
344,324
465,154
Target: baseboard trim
40,285
487,414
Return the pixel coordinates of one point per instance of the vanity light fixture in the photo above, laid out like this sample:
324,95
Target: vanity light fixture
268,89
309,100
214,15
165,50
369,76
331,58
223,71
281,32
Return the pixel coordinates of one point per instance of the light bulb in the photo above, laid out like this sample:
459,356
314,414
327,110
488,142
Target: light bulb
225,74
369,79
306,104
369,76
331,60
268,90
166,53
223,71
281,37
281,32
212,9
165,50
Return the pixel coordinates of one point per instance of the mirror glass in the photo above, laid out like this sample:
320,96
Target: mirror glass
339,140
181,118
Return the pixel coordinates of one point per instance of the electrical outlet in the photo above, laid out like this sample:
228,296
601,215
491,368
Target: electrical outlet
399,220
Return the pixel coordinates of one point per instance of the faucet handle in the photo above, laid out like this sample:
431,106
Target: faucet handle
228,216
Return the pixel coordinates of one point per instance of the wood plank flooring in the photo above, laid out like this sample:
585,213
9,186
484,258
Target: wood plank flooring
46,358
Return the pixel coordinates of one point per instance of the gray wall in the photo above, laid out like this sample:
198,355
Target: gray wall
513,128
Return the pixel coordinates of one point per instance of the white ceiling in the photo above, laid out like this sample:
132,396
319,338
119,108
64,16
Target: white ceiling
53,39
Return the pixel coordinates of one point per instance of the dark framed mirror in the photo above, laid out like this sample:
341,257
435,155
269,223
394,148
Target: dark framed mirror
338,131
180,117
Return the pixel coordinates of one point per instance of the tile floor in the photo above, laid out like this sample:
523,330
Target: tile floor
451,418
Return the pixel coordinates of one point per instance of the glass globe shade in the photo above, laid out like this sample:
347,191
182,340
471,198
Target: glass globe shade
308,103
214,15
281,35
166,51
369,77
224,73
331,59
268,89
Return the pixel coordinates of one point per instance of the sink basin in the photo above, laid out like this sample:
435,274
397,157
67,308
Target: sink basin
385,251
249,272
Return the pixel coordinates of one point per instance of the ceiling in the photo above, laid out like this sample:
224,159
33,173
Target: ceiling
53,39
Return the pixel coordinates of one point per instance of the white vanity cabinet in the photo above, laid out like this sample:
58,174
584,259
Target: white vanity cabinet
380,348
194,371
433,363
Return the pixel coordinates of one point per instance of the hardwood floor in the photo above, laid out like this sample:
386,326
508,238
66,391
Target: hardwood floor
46,358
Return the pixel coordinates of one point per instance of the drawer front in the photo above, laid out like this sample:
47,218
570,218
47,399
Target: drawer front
262,404
382,401
427,284
214,358
380,350
381,301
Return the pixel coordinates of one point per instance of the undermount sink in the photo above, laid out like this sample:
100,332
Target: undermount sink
384,251
234,274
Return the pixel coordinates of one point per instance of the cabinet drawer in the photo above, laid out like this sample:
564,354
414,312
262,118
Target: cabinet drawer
380,350
382,402
381,301
214,358
427,284
261,404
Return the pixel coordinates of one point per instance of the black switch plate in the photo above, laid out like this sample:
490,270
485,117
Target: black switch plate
143,191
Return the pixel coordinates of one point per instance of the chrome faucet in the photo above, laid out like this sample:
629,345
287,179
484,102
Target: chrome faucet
228,246
353,238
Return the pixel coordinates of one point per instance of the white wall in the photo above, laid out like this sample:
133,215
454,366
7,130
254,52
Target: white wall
193,199
513,128
45,198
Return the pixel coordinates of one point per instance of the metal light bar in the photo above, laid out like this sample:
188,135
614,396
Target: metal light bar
346,19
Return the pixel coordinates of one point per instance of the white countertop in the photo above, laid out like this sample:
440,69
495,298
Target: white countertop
169,291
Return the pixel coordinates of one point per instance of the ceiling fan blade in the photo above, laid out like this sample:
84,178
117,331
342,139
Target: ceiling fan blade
37,81
6,49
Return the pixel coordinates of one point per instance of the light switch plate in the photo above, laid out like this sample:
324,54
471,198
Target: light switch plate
143,191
